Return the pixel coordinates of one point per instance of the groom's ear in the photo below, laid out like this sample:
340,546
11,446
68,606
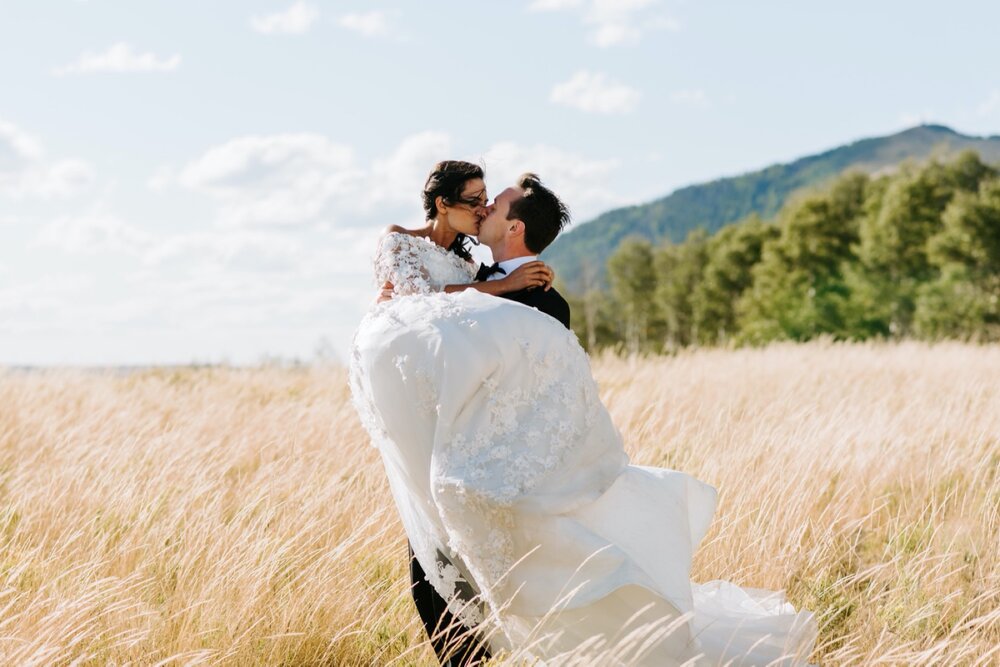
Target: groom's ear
515,227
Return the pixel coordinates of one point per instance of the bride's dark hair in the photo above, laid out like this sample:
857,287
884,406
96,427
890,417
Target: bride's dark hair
446,180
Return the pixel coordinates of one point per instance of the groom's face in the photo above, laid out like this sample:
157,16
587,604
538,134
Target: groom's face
495,224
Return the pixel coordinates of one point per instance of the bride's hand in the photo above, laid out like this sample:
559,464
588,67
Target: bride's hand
386,293
527,276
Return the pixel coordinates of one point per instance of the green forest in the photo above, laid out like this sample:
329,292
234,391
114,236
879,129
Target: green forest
911,254
579,256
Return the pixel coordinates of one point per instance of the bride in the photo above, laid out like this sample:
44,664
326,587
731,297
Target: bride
511,481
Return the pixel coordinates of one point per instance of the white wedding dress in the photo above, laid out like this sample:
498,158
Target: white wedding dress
511,481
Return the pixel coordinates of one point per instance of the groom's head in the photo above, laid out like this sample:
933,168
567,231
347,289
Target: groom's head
523,219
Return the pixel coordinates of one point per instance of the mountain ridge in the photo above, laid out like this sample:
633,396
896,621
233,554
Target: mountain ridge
579,256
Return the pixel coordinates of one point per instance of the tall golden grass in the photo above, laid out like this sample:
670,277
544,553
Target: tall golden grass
239,517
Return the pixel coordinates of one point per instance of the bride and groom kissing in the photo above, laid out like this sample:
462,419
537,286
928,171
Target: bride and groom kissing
530,531
520,223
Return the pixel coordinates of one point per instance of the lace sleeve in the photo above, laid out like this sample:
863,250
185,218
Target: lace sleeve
398,261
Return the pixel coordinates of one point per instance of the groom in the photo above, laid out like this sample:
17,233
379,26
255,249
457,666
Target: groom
522,221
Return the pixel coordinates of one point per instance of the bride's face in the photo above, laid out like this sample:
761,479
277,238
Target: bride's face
465,214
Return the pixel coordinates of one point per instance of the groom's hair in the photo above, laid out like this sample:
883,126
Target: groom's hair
542,213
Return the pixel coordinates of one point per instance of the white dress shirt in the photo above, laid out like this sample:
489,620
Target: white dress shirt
510,264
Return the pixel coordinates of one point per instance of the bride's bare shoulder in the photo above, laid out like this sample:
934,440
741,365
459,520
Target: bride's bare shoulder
390,237
394,237
396,229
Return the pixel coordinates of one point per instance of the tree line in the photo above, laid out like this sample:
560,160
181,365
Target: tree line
911,254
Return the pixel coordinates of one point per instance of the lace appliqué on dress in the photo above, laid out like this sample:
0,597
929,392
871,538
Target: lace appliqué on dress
529,432
417,265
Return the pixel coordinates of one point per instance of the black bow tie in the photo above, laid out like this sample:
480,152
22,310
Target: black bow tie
487,271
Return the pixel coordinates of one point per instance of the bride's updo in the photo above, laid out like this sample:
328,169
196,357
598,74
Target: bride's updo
446,180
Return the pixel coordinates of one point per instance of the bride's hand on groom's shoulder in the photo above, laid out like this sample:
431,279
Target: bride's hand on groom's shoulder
385,293
530,275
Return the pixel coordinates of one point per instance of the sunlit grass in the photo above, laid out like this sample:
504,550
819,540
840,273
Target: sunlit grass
225,516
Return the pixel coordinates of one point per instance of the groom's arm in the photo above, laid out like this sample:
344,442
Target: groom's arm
557,307
549,302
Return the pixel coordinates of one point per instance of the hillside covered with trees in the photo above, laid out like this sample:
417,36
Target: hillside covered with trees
580,255
911,254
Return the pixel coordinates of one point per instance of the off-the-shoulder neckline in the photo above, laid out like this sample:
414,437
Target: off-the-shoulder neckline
425,239
409,235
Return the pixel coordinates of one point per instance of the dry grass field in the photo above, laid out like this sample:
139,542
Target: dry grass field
239,517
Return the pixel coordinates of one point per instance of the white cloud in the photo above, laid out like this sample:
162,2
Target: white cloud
399,177
251,280
219,287
16,144
297,179
615,10
593,92
612,22
250,251
990,105
119,58
281,179
93,233
62,178
295,20
24,171
611,34
375,23
161,179
554,5
581,182
617,22
308,181
32,306
695,97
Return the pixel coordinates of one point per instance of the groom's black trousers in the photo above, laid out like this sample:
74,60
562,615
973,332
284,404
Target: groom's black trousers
453,643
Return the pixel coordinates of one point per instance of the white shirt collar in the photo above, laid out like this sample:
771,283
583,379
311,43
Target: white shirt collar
510,264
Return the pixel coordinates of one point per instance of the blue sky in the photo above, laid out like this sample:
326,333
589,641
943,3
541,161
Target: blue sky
205,182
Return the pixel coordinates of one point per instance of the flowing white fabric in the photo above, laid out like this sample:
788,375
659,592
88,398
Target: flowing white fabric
512,484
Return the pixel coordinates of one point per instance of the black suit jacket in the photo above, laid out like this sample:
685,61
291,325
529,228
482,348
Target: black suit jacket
551,302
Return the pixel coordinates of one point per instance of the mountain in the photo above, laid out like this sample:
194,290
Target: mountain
579,256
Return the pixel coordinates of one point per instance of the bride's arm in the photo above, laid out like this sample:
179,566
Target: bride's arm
532,274
399,265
